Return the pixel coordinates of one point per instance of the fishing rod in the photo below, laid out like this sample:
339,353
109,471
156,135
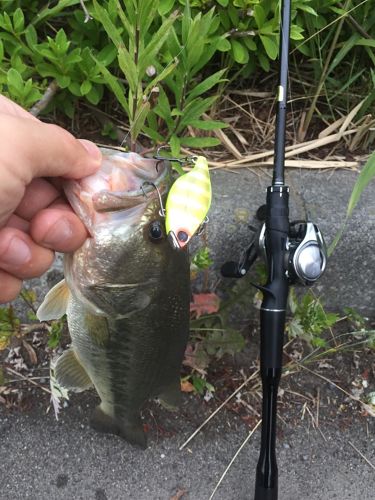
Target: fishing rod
294,253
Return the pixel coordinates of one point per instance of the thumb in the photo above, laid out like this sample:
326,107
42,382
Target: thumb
31,148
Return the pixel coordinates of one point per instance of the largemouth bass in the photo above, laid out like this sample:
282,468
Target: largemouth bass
126,295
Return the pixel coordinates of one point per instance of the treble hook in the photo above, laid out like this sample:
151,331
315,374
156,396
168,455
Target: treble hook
203,225
162,209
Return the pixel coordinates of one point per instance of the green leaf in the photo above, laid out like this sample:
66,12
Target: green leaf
1,50
128,67
31,36
270,46
107,55
240,53
15,81
113,84
259,15
250,43
153,134
223,45
365,177
223,3
47,69
18,20
199,142
175,145
85,88
158,39
75,89
112,31
206,85
308,9
63,81
140,119
95,94
264,61
195,109
160,77
6,23
296,32
366,42
165,6
208,124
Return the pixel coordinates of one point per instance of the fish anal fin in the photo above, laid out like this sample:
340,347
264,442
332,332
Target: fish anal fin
170,397
131,431
55,302
70,373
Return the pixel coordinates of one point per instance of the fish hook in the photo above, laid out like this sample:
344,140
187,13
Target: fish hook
203,226
162,209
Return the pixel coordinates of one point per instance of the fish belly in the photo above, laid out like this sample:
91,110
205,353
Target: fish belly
132,359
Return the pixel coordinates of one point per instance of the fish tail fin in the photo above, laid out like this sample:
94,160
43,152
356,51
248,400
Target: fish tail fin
170,397
55,302
130,430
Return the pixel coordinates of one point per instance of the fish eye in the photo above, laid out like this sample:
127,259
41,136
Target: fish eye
182,236
155,231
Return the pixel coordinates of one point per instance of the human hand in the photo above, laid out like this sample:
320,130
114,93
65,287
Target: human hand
35,219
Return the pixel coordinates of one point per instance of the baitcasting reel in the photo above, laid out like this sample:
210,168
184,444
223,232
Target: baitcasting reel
305,252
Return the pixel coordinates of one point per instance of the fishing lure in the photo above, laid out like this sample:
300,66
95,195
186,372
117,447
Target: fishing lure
188,202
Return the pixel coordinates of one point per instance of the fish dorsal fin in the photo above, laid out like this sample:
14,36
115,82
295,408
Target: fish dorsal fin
70,374
55,303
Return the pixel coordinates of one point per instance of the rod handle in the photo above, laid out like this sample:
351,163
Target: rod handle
262,493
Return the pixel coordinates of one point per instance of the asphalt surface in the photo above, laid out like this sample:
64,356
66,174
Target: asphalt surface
323,195
42,459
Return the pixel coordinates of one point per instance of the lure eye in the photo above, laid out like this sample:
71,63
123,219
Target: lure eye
182,236
155,231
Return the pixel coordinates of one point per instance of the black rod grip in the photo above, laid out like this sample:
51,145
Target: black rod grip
262,493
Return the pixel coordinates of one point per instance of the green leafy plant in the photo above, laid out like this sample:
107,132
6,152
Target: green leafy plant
9,325
29,59
180,104
309,319
55,330
137,48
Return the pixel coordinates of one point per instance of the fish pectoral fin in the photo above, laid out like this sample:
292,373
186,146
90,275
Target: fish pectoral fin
55,302
130,430
70,373
170,397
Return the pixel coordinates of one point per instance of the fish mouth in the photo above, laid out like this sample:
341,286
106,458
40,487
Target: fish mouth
149,179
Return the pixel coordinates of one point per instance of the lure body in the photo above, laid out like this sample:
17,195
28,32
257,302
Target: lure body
187,204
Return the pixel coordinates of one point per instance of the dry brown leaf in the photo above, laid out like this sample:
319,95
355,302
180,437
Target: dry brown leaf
186,386
204,303
31,353
178,495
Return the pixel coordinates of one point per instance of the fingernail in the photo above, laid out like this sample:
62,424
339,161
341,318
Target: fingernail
92,149
61,230
17,253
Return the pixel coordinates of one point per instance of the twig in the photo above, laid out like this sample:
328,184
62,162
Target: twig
218,409
87,14
234,458
13,372
46,99
364,405
362,455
